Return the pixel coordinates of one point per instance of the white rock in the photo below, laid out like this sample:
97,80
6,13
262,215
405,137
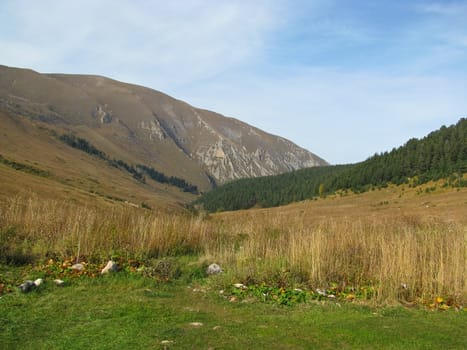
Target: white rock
78,267
167,342
196,324
110,267
240,286
59,282
38,282
321,292
213,269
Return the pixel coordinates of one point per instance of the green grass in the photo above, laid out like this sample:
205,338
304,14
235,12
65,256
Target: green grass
126,311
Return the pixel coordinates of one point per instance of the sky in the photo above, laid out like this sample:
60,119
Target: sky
344,79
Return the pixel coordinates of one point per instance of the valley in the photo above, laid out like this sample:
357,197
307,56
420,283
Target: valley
93,170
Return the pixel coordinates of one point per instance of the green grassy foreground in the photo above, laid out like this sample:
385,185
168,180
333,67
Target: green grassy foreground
127,311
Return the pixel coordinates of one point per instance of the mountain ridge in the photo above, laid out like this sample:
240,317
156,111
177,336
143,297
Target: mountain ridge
440,154
139,125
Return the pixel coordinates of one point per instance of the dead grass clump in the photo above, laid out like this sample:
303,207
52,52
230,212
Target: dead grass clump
424,259
65,229
405,258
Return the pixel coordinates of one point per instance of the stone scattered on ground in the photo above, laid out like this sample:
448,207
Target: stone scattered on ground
77,267
321,292
167,342
110,267
213,269
196,324
27,286
59,282
240,286
38,282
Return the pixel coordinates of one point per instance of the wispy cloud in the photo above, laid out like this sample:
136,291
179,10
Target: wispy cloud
444,8
342,116
174,41
343,79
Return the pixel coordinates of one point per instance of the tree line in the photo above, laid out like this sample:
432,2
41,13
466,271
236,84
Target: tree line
137,171
441,154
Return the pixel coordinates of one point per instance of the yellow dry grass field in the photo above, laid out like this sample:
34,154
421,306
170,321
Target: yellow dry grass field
411,243
402,244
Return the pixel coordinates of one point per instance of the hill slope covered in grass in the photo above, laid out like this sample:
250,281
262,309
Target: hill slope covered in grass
441,154
143,126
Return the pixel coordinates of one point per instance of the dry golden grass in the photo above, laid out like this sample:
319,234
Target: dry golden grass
384,238
64,229
73,173
381,239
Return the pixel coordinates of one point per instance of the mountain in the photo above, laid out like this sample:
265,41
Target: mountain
441,154
135,126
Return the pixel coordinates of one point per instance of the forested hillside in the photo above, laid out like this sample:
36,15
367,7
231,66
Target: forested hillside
441,154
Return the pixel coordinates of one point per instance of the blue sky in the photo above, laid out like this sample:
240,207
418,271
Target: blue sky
344,79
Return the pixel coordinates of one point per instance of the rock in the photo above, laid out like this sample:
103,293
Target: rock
213,269
59,282
38,282
240,286
196,324
77,267
166,343
321,292
110,267
27,286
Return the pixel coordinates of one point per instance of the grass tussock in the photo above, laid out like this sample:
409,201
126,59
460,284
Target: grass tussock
45,228
399,258
403,258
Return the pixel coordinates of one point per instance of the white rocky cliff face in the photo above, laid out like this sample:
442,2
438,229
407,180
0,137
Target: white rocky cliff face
141,125
228,149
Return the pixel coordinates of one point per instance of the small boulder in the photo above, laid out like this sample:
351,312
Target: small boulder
27,286
38,282
213,269
59,282
240,286
196,324
77,267
321,292
110,267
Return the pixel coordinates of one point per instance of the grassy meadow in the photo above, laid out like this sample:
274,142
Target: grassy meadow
131,312
408,247
385,269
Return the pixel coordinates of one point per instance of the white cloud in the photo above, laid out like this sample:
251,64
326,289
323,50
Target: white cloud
223,55
174,41
444,8
343,117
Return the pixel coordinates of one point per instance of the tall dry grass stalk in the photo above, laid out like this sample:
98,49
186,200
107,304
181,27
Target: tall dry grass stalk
403,257
429,257
64,229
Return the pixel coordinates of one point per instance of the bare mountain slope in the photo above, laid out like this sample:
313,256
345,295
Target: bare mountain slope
144,126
